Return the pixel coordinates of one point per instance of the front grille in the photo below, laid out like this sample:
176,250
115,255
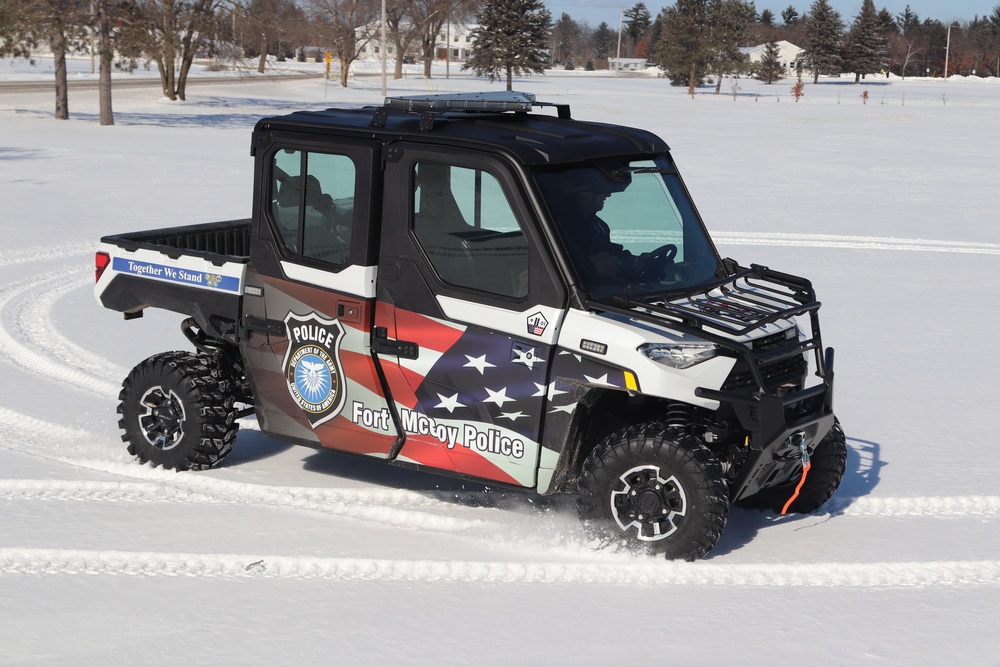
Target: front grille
775,375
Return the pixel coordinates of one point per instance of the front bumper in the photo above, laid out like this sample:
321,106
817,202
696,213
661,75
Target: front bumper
771,421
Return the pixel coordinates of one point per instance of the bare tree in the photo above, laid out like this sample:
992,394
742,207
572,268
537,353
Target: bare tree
402,30
348,25
272,24
26,24
903,49
175,30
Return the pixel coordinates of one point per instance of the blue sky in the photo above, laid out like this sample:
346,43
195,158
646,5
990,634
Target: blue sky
595,11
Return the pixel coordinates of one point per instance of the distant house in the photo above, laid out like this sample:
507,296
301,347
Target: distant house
455,41
627,64
788,54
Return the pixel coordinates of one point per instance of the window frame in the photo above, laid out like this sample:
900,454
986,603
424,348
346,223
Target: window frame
368,179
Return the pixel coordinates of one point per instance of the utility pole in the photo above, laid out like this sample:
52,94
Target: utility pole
90,30
383,49
947,52
618,58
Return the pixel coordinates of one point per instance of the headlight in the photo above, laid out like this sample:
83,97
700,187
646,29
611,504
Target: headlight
679,355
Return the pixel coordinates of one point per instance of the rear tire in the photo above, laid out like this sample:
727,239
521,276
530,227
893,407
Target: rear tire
654,489
173,413
828,462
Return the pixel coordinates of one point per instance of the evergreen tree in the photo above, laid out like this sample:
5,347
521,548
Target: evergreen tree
603,38
566,35
637,21
770,69
907,20
767,18
790,15
510,39
729,29
823,29
683,48
866,50
887,22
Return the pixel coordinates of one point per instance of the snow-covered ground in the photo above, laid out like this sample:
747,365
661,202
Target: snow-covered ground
285,555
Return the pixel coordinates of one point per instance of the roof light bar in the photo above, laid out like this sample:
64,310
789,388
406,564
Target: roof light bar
488,101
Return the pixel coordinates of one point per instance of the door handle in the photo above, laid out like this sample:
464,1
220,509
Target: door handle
264,326
382,344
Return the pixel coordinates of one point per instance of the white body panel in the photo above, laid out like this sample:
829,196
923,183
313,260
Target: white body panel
186,270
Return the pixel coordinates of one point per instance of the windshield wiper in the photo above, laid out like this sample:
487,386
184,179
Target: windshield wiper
644,170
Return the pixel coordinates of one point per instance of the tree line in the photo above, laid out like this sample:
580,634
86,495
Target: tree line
171,34
692,40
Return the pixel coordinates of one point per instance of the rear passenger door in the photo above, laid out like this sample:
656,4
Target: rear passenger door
310,304
467,313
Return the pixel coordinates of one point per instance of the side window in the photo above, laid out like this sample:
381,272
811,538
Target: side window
312,204
467,228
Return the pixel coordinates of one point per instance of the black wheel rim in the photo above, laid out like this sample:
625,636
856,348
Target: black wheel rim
647,504
161,418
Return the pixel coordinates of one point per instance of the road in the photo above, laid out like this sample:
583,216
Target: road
142,81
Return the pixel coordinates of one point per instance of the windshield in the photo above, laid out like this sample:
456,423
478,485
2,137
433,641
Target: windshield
628,227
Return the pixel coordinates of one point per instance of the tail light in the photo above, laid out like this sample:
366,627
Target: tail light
101,261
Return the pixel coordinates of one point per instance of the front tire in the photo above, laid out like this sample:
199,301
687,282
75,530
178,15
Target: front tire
173,413
655,489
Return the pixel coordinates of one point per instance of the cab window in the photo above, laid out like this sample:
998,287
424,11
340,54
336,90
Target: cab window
312,204
466,227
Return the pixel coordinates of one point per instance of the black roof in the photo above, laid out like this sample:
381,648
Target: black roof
532,138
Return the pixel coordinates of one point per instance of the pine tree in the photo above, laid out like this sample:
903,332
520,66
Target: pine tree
729,29
637,21
683,47
766,18
823,39
770,69
602,41
790,15
510,39
867,49
907,20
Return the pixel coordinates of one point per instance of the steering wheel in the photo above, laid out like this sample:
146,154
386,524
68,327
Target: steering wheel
659,260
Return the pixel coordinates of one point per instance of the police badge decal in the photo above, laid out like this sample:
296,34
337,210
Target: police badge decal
313,367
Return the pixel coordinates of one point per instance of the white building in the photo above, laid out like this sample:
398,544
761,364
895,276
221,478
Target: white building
627,64
788,54
455,41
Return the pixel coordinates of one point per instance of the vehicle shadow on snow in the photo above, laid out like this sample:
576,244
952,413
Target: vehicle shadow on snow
252,446
463,492
864,465
215,120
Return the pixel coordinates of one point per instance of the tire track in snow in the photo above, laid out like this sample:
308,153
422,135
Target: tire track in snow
920,506
44,253
24,355
600,571
215,491
196,487
855,242
395,508
957,507
35,323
